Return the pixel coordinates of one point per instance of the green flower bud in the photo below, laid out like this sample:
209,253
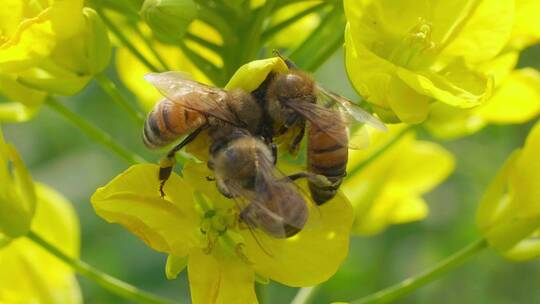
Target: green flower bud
17,194
169,19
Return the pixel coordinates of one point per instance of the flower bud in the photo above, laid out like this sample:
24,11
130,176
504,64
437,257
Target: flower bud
75,60
509,214
17,194
169,19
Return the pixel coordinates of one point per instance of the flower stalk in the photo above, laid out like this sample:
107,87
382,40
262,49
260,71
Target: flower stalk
106,281
125,41
112,90
409,285
94,133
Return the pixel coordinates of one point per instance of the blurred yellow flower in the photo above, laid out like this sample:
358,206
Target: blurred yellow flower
17,195
223,257
52,46
29,273
388,190
402,55
132,71
509,214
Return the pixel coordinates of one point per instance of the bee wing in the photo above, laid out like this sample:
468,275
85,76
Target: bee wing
352,109
209,101
337,116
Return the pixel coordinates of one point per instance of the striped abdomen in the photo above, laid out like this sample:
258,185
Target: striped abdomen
329,158
169,121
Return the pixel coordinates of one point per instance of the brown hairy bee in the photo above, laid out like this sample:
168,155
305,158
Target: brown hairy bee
244,165
191,107
244,171
291,99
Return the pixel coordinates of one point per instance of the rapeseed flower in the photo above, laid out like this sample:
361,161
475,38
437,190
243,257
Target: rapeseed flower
388,190
224,258
47,47
509,214
403,55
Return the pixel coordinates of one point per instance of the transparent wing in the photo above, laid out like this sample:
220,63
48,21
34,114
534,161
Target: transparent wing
339,119
181,89
352,109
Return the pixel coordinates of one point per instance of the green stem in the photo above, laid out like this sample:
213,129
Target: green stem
116,31
203,42
380,151
272,31
408,285
209,69
106,281
151,48
94,133
253,36
305,295
110,88
322,42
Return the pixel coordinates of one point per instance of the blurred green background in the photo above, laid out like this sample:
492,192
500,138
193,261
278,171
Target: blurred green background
62,157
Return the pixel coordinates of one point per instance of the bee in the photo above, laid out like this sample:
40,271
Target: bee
244,171
293,100
190,108
244,165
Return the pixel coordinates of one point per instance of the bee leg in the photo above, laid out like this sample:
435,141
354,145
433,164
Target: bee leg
319,180
274,149
293,149
291,120
167,163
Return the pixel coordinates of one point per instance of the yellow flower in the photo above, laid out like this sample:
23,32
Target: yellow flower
17,196
52,46
516,98
223,257
509,214
132,71
402,55
29,273
388,189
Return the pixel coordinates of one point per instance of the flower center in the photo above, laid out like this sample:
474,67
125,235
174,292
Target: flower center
412,50
218,226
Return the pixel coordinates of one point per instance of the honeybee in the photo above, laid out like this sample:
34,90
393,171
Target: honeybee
191,107
290,100
244,171
244,165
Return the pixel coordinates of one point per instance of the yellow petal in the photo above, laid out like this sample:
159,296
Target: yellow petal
491,20
313,255
132,199
34,40
66,17
220,279
459,87
250,76
526,29
175,265
516,101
